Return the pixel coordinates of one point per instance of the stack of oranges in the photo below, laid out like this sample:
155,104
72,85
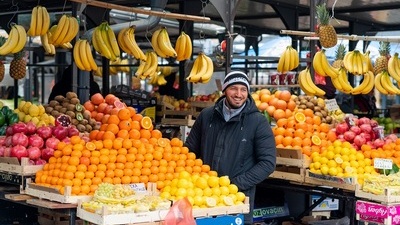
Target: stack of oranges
304,131
279,105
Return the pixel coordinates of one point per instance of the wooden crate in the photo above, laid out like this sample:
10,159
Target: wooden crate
155,217
53,194
291,165
335,182
13,166
51,217
390,195
169,116
197,106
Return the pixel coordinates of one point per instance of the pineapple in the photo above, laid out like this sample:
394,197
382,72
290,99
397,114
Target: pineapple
339,55
326,32
2,69
381,62
18,66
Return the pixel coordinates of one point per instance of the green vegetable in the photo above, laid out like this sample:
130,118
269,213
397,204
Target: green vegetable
2,119
3,130
13,118
395,169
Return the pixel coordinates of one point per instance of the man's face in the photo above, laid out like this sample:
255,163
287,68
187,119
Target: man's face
236,95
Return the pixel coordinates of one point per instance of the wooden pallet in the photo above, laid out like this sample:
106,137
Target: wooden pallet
53,194
198,106
348,184
51,217
291,165
390,195
13,166
175,117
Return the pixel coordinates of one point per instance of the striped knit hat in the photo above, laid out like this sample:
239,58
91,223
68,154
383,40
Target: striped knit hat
236,77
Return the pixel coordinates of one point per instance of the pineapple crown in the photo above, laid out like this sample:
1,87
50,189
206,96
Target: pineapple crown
384,48
340,52
322,14
19,55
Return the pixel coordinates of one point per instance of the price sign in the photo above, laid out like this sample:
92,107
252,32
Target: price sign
331,104
386,164
139,187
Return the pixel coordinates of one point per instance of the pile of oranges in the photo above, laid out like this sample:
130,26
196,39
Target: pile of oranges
303,130
100,106
279,105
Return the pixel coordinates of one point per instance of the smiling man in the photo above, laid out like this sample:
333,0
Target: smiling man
234,138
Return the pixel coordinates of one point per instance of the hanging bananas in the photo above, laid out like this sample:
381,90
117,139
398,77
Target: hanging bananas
183,47
40,21
127,42
356,63
384,84
394,67
202,70
307,85
119,65
161,43
366,85
289,60
148,67
105,42
83,56
16,40
65,30
322,66
48,48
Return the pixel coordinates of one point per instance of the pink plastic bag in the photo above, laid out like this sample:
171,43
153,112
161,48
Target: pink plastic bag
318,79
180,214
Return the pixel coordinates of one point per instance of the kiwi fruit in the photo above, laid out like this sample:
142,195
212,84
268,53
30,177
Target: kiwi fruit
324,113
71,95
317,109
57,107
70,113
70,107
74,101
53,103
86,114
63,110
92,122
88,127
301,106
59,98
328,119
48,109
65,104
81,127
55,113
84,121
79,107
74,121
318,114
310,105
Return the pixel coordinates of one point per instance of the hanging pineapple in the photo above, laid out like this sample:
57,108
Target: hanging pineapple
339,55
381,62
325,31
18,66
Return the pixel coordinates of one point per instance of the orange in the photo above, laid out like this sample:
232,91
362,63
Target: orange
134,134
125,124
123,134
88,105
316,140
146,134
124,114
113,128
146,122
300,117
137,117
90,146
113,119
73,160
156,134
110,99
176,142
121,159
117,143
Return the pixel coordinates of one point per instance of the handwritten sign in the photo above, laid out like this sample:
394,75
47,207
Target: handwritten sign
331,104
380,163
139,187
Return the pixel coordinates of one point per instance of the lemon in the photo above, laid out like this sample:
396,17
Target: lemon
330,155
338,160
340,174
337,143
224,190
359,156
181,192
354,163
33,110
216,191
213,181
198,200
210,202
345,158
332,171
332,163
324,160
21,105
240,196
190,192
27,118
349,169
233,189
324,170
368,161
167,189
26,107
190,199
316,158
21,116
317,165
165,195
345,151
52,120
201,182
174,182
183,183
207,192
198,191
224,181
35,120
233,196
228,201
184,175
42,110
173,191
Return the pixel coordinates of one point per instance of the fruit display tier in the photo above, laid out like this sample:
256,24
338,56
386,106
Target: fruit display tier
11,165
291,165
170,116
348,183
53,194
389,196
155,216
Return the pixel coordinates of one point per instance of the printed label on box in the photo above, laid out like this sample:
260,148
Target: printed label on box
221,220
327,204
374,210
270,212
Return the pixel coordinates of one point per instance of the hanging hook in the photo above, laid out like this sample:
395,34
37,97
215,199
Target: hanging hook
38,2
13,5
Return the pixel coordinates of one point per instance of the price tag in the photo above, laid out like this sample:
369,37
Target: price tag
380,163
139,187
331,104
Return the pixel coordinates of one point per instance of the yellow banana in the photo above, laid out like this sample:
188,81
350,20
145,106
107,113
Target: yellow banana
153,66
72,30
32,28
310,83
98,39
92,62
148,63
336,83
131,44
368,61
39,20
326,67
140,69
344,82
378,84
161,80
286,65
64,32
77,56
112,40
180,47
53,49
107,41
83,55
281,62
21,39
164,43
294,58
194,75
153,78
206,77
11,42
370,85
348,61
120,39
59,29
388,84
99,71
126,67
354,62
154,43
358,89
188,47
317,64
46,21
303,83
393,67
45,43
360,63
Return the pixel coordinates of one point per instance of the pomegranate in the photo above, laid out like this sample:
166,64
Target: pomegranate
19,127
47,153
20,139
8,141
373,123
7,152
9,131
367,136
341,128
349,136
52,142
36,141
19,151
359,140
34,153
378,143
60,132
73,131
40,162
366,128
2,140
2,150
363,120
356,129
63,120
30,128
44,132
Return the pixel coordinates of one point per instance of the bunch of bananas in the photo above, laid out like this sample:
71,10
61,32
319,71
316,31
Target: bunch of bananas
157,79
83,56
384,84
162,44
105,42
119,65
341,82
127,42
394,67
202,70
65,30
16,40
40,21
322,67
48,48
183,47
289,60
148,67
366,85
307,85
357,63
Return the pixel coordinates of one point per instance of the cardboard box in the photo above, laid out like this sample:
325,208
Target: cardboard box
328,204
270,212
185,130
